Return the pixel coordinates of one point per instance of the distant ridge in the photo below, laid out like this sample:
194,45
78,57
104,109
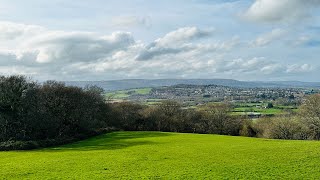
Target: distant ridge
140,83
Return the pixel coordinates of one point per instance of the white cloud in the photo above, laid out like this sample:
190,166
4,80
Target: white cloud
261,65
77,46
176,42
267,38
280,10
183,35
11,31
297,68
254,65
47,54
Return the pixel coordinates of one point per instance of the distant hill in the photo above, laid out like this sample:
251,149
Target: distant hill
140,83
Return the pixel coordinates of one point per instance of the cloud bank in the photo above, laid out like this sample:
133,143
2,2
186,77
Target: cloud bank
284,11
182,53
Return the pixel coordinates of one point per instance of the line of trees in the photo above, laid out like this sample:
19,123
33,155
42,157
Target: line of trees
169,116
39,115
216,119
304,125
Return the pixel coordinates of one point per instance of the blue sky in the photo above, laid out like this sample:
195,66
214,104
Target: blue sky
103,40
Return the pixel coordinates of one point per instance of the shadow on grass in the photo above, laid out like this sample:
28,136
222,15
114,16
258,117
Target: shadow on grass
111,141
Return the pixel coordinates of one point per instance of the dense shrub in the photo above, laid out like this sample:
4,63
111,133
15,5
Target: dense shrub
14,92
286,127
18,145
310,115
171,117
33,112
28,145
128,116
216,119
247,129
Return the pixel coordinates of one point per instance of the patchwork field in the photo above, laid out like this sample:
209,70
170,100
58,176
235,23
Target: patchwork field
145,155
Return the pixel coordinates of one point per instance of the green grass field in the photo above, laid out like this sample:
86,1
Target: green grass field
245,108
126,93
153,155
143,91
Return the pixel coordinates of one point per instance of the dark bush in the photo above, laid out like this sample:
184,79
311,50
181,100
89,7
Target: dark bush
30,112
247,129
18,145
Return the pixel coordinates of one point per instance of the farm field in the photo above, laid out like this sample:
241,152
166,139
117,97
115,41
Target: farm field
271,111
245,108
126,93
145,155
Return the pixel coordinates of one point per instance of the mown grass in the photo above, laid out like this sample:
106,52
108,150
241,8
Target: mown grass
153,155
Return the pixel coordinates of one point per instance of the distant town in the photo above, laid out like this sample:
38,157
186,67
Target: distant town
251,101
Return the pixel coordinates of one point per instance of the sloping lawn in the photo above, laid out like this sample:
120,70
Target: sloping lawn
145,155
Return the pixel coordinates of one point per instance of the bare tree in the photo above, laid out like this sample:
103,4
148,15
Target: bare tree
310,115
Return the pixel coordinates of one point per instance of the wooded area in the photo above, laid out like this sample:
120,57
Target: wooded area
38,115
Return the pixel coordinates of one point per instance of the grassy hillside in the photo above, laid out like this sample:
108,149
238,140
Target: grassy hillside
167,155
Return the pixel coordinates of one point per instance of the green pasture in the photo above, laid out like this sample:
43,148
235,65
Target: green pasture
126,93
244,108
258,110
155,155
